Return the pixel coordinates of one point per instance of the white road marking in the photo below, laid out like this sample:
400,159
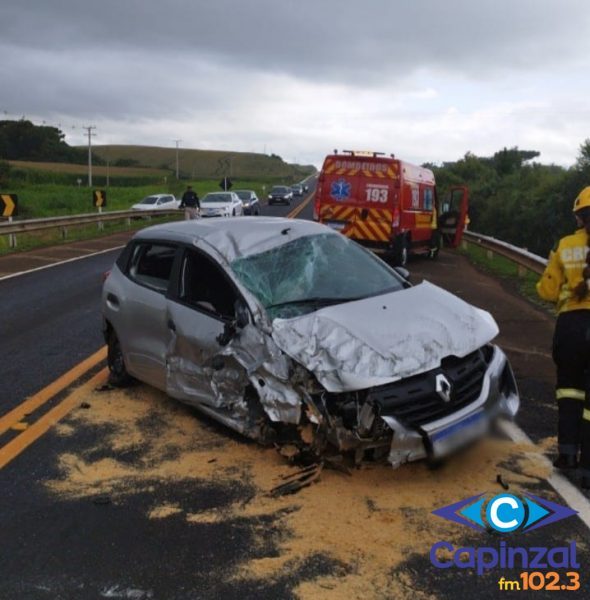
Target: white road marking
570,493
61,262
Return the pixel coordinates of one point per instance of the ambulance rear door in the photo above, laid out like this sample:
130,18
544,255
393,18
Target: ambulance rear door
452,217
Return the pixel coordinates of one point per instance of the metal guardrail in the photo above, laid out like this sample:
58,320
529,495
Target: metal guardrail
526,261
30,225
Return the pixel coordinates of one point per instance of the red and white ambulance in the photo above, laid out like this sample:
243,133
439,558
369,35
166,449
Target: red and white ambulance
388,205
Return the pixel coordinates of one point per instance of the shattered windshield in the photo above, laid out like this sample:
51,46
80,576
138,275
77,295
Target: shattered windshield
314,271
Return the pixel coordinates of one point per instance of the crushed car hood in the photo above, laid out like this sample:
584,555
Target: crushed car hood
378,340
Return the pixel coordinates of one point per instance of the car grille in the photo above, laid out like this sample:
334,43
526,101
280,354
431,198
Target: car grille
414,401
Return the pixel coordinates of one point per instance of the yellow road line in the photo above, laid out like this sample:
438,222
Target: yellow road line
42,425
299,208
60,384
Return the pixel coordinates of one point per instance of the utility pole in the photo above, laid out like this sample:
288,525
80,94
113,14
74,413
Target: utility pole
90,134
177,142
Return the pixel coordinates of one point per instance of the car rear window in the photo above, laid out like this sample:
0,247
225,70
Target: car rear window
151,265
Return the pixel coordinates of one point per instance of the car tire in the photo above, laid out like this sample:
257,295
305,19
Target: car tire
233,212
118,375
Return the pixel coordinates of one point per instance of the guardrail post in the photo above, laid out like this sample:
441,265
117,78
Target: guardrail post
128,221
11,237
100,223
522,271
490,255
64,233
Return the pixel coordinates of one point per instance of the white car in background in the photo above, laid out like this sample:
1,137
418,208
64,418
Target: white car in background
157,202
221,204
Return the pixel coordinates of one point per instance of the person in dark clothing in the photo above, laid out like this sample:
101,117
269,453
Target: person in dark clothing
190,203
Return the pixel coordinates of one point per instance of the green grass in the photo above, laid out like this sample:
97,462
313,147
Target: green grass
206,164
506,269
52,200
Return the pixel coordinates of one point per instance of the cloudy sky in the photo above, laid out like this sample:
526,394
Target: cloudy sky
427,80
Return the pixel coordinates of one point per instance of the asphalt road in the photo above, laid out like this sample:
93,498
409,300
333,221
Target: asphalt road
135,496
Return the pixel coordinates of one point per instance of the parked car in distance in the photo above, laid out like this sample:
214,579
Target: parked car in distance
221,204
297,189
281,194
293,334
250,201
157,202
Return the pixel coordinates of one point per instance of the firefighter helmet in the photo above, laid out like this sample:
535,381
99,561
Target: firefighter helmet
583,199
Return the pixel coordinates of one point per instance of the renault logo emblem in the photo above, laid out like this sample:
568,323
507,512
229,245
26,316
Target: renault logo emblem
443,387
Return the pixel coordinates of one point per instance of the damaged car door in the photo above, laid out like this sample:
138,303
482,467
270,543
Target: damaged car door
201,322
138,309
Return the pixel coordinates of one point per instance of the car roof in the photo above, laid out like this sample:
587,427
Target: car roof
236,237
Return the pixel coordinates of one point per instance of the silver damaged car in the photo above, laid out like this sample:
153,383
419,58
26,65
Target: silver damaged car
294,335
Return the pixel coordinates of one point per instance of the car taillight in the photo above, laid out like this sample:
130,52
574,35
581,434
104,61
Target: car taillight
395,217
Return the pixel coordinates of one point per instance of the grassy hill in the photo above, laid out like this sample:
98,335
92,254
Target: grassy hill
82,170
206,164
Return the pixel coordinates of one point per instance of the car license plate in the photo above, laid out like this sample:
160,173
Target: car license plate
453,437
337,225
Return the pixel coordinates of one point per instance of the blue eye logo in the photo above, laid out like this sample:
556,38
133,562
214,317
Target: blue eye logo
340,189
505,513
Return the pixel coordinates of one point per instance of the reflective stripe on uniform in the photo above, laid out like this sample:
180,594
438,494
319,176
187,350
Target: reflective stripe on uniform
586,414
571,393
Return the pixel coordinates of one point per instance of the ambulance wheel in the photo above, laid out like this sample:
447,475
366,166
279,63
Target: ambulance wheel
435,245
401,252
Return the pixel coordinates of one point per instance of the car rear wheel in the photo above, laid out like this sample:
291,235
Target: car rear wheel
118,375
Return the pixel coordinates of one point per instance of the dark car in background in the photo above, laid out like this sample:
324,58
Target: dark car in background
281,194
250,201
297,189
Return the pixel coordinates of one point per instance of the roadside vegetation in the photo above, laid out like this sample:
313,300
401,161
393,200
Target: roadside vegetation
516,199
50,178
506,270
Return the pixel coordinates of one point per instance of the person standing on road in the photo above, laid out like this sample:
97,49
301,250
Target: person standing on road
566,281
190,203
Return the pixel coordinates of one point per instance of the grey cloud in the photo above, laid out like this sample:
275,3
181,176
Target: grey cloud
330,40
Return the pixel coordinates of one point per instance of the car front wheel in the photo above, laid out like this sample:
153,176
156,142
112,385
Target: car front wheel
118,375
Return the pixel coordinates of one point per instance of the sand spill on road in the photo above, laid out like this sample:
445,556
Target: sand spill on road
367,523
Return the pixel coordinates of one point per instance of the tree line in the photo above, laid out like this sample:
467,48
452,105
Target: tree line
23,140
516,199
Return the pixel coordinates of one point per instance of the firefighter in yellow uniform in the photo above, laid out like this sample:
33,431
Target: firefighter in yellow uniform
566,281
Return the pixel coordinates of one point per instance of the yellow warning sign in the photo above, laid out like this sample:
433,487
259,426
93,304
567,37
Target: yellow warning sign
8,205
99,198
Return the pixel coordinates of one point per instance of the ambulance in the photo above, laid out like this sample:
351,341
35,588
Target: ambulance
388,205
